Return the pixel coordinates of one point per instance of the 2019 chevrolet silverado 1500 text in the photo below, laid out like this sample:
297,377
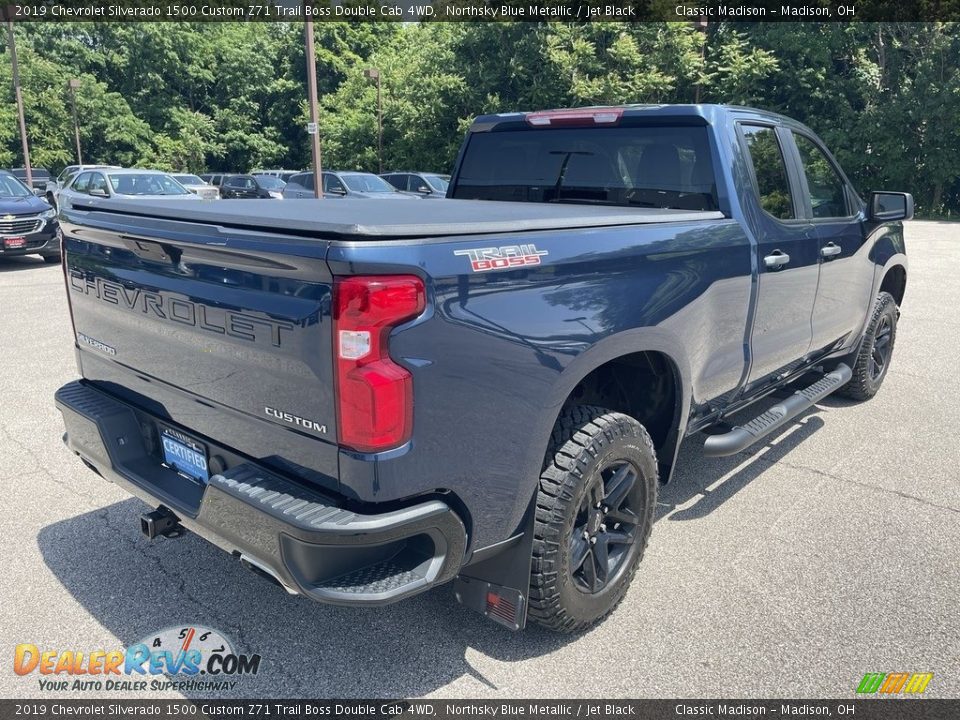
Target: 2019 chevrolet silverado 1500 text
364,399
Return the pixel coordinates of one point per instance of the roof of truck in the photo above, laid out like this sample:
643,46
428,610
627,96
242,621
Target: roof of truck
614,115
373,218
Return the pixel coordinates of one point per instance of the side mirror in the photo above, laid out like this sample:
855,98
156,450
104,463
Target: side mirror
337,191
98,192
40,192
423,189
890,206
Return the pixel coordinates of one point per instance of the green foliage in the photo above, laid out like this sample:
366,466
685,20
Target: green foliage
231,96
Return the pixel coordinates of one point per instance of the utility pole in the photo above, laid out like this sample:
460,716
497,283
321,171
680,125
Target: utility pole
16,91
700,25
312,99
73,84
374,74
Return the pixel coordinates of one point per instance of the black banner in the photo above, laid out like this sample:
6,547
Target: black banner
483,10
859,709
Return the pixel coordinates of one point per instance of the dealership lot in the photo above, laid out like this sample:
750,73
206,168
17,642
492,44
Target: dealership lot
790,570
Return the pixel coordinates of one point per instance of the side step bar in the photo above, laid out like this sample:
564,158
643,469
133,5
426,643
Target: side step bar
743,436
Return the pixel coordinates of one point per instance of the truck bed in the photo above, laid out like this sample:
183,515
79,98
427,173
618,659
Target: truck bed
380,219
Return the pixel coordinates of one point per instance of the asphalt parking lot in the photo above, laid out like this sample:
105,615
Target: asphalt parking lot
787,571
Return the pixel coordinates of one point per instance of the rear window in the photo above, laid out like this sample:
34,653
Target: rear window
655,167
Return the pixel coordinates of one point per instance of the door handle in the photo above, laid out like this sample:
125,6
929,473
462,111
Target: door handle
776,259
830,250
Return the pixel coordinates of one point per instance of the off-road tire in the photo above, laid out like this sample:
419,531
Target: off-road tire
586,440
865,382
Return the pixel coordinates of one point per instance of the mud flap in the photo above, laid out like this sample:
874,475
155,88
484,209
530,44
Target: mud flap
499,586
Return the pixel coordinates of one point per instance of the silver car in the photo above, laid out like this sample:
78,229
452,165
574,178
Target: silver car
194,184
123,184
54,187
338,184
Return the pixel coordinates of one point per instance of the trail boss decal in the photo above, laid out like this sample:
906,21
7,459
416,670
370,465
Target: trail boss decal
501,258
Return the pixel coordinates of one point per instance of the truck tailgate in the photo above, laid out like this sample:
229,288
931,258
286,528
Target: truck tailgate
205,326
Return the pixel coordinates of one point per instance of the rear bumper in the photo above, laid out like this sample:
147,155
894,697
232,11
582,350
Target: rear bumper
300,537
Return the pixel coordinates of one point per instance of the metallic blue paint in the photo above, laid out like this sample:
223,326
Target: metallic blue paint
496,354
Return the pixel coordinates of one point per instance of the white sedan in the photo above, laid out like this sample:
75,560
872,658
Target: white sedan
194,184
123,185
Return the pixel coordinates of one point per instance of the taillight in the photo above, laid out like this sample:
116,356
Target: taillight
374,394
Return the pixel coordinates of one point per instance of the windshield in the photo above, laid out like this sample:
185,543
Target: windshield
440,183
146,184
655,167
188,180
367,183
10,187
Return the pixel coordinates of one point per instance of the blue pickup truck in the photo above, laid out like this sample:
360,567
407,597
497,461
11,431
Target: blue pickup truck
361,400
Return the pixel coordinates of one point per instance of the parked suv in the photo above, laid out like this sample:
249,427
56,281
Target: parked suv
39,175
251,186
428,185
340,184
123,184
53,187
28,225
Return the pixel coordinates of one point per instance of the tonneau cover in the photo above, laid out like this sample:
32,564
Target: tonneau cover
371,218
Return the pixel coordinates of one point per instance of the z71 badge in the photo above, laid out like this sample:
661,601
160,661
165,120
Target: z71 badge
501,258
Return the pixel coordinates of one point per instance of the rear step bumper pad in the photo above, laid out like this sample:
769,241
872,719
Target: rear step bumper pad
300,537
743,436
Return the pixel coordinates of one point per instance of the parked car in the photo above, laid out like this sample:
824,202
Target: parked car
196,185
122,184
284,175
427,185
495,390
341,184
53,187
40,176
28,225
252,186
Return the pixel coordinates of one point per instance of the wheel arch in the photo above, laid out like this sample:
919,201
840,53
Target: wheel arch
894,281
659,359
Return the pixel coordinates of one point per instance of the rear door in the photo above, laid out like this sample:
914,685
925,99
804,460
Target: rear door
846,272
232,187
787,256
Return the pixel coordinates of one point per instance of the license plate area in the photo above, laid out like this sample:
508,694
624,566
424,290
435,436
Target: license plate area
12,243
185,455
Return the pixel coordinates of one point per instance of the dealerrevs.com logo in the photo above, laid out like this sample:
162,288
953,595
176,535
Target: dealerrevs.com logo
178,658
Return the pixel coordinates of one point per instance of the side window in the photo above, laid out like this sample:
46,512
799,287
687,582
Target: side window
98,182
82,183
828,196
305,181
769,167
332,184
